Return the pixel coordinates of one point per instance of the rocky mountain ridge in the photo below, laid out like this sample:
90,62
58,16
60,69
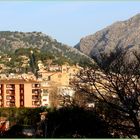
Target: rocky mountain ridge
122,35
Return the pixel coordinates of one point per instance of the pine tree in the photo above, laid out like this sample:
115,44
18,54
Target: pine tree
33,64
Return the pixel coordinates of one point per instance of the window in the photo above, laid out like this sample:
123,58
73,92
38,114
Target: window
35,97
7,91
21,103
33,90
21,91
35,85
36,103
0,97
8,97
10,86
36,91
8,103
22,97
21,86
10,92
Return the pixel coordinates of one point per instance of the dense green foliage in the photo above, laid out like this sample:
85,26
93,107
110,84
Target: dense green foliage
16,44
75,122
22,116
67,122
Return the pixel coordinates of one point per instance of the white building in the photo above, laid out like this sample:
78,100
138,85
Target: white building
45,94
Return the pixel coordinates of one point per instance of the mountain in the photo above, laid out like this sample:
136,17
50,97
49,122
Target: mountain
19,43
118,37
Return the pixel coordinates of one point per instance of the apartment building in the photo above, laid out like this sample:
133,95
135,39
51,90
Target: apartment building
19,93
30,93
27,91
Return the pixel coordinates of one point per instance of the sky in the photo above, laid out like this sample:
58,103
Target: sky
65,21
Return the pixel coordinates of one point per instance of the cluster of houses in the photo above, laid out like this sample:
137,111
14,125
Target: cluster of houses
25,90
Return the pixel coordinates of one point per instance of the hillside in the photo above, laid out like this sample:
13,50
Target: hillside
118,37
15,47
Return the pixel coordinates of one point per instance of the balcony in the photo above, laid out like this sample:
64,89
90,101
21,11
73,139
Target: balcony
1,97
36,103
11,98
0,86
1,103
35,85
10,104
10,86
21,103
11,92
36,91
35,99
